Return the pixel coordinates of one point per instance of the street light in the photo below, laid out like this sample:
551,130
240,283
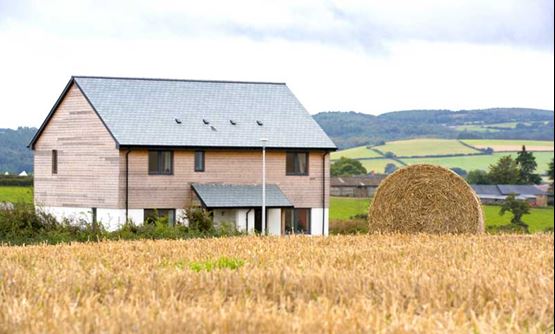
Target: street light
264,227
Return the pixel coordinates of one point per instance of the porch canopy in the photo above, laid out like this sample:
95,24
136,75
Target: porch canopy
217,195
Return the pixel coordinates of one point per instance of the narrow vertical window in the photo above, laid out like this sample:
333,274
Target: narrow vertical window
199,161
94,217
54,161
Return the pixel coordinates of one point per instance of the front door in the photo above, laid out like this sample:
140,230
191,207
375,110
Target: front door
258,220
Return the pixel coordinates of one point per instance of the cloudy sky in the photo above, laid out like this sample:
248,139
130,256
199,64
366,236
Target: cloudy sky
367,56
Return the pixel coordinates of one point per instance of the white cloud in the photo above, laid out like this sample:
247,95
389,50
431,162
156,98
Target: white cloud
334,56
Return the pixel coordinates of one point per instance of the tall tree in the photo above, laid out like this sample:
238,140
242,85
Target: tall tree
505,171
478,176
526,162
518,208
390,168
347,167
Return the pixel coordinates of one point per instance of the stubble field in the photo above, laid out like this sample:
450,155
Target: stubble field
343,284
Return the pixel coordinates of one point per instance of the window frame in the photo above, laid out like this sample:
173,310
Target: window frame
296,153
159,158
157,210
291,212
54,162
203,155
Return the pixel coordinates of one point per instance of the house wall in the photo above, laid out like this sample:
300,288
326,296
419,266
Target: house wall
88,161
232,167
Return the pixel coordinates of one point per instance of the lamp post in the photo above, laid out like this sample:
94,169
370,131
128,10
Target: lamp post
264,227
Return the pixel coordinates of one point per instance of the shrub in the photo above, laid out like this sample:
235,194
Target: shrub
348,227
199,219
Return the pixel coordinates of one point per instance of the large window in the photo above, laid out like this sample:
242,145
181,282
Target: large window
160,162
153,215
296,221
54,162
199,161
296,163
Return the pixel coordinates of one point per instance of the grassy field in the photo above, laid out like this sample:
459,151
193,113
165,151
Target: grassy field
480,161
474,128
342,208
16,194
415,147
378,165
340,284
511,145
355,153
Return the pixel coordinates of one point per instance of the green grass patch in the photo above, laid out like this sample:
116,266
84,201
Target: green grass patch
474,128
16,194
378,165
419,147
343,208
355,153
480,161
217,264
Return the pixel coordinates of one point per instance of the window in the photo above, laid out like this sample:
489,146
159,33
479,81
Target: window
94,216
296,163
199,161
54,161
162,215
296,221
160,162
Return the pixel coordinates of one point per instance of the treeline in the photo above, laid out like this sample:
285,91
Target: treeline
349,129
15,157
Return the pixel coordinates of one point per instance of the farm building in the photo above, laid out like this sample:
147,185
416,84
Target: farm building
356,186
118,149
496,194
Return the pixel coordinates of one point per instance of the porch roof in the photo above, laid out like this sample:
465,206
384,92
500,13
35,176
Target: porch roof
218,195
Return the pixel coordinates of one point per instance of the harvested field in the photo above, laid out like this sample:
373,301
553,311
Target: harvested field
343,284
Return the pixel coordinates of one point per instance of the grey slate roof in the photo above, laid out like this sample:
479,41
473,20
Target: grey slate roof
216,195
507,189
142,112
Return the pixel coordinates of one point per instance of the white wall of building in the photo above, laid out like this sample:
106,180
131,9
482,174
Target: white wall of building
316,221
241,220
111,219
273,220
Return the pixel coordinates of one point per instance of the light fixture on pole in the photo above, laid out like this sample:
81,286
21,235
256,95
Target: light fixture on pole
264,227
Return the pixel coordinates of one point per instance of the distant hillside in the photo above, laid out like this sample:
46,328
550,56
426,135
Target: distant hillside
350,129
14,154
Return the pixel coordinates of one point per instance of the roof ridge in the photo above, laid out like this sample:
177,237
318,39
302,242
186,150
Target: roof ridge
179,80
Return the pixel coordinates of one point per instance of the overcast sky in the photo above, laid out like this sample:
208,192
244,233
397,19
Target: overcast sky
366,56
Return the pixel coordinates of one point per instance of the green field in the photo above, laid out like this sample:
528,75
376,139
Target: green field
499,144
480,161
355,153
378,165
16,194
420,147
342,208
474,128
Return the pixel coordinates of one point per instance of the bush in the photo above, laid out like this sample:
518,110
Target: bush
353,226
199,219
17,181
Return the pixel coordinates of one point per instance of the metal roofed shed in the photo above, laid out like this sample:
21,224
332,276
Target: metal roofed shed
142,112
216,195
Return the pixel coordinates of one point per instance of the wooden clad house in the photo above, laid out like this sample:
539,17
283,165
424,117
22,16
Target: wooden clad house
113,149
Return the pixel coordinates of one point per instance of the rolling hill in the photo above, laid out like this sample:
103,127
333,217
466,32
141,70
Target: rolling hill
450,153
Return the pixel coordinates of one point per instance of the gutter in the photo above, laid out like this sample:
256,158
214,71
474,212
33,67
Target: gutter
127,185
324,191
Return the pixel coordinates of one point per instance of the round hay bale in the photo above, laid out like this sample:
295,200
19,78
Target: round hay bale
428,199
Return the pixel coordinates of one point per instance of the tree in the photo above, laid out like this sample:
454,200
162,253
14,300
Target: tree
505,171
550,173
347,167
389,155
390,168
478,176
518,208
527,165
459,171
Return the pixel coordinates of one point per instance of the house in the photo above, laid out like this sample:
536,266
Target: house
356,186
496,194
118,149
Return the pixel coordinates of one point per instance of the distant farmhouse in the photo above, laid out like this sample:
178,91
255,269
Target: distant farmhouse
356,186
114,149
496,194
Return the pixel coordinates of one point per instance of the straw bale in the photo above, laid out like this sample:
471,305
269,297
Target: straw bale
427,199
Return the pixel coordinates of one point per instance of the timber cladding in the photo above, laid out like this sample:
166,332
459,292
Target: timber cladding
88,161
232,167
